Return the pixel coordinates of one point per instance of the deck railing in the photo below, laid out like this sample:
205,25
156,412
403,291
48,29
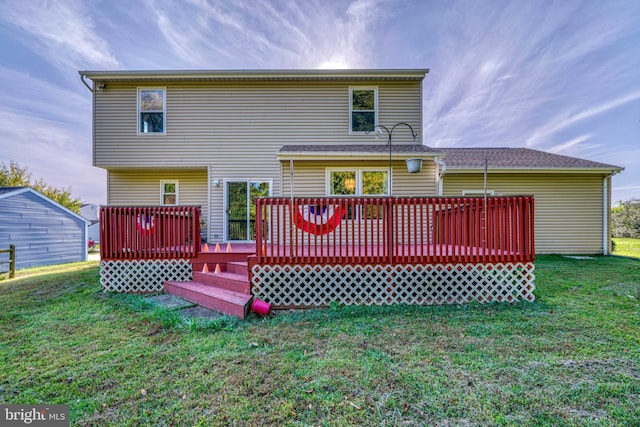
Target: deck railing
149,232
394,230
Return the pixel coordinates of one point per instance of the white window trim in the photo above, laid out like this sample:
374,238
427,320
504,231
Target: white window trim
358,172
162,193
477,192
375,106
164,111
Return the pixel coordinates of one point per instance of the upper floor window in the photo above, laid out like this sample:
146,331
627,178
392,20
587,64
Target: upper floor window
151,110
169,191
363,109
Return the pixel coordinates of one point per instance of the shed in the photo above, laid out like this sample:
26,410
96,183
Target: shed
43,231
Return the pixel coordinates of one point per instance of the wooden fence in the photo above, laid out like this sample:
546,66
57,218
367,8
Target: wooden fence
12,260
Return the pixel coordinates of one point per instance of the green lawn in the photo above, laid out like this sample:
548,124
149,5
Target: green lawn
570,358
626,247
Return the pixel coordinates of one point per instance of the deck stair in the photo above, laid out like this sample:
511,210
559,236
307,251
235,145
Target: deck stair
223,285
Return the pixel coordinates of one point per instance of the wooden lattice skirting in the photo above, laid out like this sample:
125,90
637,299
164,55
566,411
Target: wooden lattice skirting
140,276
319,285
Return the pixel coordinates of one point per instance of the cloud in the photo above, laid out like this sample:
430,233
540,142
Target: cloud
544,133
519,74
47,129
64,32
249,34
569,145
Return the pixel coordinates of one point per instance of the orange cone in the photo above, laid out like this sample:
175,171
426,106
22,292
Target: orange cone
205,269
217,269
205,248
264,249
217,247
229,247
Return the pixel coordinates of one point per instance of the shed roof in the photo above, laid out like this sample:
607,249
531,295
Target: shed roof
6,192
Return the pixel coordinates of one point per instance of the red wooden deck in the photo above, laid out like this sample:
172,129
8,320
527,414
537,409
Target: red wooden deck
394,230
346,250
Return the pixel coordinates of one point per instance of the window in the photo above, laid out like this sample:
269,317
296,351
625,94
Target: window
169,190
375,183
151,110
342,183
477,193
358,182
363,109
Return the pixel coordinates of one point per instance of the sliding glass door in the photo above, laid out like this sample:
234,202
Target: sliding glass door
241,210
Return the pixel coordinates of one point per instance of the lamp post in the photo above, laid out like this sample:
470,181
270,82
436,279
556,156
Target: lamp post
378,128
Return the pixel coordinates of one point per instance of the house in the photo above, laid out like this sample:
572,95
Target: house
321,161
218,139
91,213
43,231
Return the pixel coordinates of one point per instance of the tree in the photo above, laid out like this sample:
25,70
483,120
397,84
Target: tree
16,176
626,219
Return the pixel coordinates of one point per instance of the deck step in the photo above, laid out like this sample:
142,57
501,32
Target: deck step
212,297
225,280
238,267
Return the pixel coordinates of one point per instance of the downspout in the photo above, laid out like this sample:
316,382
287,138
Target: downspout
291,179
442,166
84,82
292,233
606,206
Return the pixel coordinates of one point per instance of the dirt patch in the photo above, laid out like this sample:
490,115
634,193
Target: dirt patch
200,312
171,302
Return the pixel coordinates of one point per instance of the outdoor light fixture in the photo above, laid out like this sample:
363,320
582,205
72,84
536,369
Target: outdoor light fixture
413,165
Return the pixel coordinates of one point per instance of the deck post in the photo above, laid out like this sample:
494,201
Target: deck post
389,233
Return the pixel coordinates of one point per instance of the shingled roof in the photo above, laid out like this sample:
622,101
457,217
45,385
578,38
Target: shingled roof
516,158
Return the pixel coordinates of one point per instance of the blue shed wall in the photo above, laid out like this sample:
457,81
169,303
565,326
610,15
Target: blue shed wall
43,232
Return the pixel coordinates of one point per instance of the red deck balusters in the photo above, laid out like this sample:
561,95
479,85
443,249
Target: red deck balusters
149,232
369,230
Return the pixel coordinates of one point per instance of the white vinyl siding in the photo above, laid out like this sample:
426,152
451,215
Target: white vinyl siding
142,187
568,207
235,129
221,123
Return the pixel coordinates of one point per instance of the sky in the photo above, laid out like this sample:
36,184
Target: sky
559,76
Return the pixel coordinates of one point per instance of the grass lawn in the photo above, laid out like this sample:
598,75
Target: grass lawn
626,247
570,358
